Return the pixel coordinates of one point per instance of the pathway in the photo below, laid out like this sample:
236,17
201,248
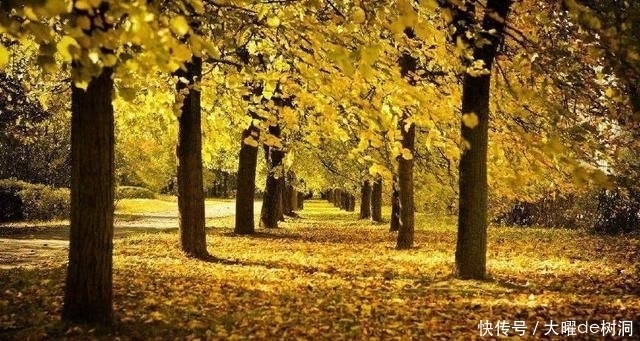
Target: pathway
35,245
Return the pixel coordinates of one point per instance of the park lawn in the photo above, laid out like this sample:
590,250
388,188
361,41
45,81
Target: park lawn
327,276
164,203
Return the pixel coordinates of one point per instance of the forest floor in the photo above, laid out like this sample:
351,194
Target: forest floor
328,276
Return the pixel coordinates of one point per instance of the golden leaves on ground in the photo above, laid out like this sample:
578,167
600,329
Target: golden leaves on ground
328,276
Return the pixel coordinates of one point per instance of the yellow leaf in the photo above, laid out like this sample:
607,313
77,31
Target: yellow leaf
179,25
250,141
66,48
4,56
54,8
470,120
407,154
182,53
83,5
273,22
359,16
83,22
269,89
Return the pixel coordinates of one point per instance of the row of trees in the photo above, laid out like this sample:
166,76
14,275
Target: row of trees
350,88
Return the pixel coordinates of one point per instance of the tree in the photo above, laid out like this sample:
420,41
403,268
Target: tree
300,198
408,66
365,200
88,292
189,159
471,247
248,160
405,184
281,195
290,194
376,200
394,222
269,215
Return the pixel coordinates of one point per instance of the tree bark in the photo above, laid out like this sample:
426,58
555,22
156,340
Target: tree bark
365,200
290,198
344,200
394,223
300,201
281,197
246,190
88,293
189,156
269,215
376,201
405,183
351,202
471,248
286,199
294,193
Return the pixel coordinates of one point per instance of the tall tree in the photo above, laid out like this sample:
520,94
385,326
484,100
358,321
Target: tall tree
290,194
269,215
189,156
300,198
365,199
394,222
247,163
281,195
471,248
376,200
405,184
246,188
408,66
88,293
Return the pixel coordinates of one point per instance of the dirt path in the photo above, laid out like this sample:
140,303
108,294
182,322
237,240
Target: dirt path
36,245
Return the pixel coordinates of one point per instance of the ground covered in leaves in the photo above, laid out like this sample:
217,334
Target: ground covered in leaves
327,276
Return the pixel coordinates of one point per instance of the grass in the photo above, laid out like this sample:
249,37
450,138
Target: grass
328,276
162,204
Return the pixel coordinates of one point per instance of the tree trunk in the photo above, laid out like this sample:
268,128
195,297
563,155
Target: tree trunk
286,199
365,200
471,248
295,204
290,199
269,215
246,181
350,203
88,295
189,155
300,201
394,223
293,195
376,201
281,197
344,200
405,182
